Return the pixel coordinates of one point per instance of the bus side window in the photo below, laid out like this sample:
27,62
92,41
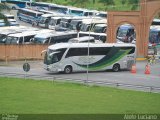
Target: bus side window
47,41
58,21
52,41
20,40
27,38
77,52
88,28
104,31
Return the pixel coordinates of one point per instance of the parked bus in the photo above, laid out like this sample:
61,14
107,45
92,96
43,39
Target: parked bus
53,37
28,15
44,20
156,22
9,16
100,28
126,33
13,30
89,24
16,4
65,23
58,8
8,22
53,22
69,57
82,39
102,37
20,38
102,14
38,5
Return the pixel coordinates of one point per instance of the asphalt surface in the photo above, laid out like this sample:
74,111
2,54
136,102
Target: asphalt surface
123,77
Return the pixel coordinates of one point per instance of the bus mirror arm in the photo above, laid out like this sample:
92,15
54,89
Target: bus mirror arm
43,52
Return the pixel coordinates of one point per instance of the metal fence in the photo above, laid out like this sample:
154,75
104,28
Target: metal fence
53,79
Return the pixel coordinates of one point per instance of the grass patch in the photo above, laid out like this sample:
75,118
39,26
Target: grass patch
36,97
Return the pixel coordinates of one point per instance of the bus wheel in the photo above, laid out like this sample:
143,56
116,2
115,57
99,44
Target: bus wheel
68,69
13,8
116,67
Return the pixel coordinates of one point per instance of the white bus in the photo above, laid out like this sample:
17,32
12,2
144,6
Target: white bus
28,15
69,57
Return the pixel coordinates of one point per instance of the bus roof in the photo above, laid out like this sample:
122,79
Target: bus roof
48,15
155,28
53,33
23,34
89,21
56,17
81,39
46,35
77,45
101,25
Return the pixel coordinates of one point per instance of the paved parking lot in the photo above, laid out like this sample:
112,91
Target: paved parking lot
122,77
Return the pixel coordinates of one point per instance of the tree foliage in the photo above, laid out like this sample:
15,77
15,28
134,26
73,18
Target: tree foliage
133,1
107,2
134,4
3,7
123,2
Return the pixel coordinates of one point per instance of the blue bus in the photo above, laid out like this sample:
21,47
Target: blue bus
16,4
28,15
38,5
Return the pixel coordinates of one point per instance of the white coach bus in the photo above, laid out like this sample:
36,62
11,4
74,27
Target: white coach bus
69,57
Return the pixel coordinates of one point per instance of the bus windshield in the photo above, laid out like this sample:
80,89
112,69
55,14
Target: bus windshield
2,37
53,22
43,19
122,32
99,29
76,12
85,27
40,40
53,56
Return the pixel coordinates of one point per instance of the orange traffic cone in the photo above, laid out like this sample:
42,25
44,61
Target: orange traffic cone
147,69
133,69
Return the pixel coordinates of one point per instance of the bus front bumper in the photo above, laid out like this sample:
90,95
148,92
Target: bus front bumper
52,68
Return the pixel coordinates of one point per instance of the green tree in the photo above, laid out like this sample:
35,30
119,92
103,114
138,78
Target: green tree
94,1
79,3
107,2
2,8
134,4
123,2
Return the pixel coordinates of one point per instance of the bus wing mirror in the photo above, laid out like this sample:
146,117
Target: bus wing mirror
78,27
32,40
43,52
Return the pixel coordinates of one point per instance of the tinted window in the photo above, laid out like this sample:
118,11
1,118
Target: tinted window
99,50
21,40
94,51
84,51
77,52
27,38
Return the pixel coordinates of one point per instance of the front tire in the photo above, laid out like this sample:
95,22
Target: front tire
116,68
68,70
